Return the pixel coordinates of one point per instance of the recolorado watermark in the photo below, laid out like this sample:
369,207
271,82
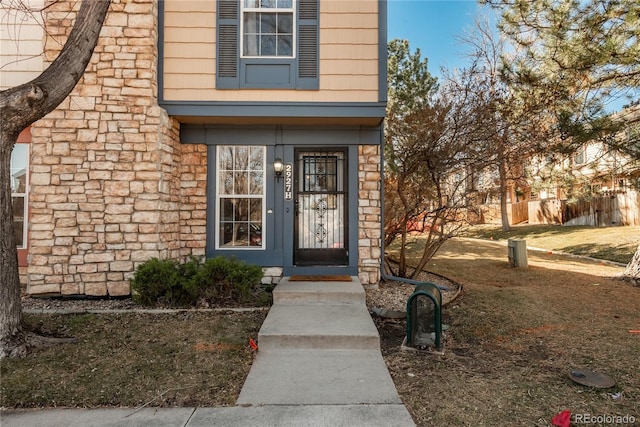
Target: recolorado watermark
605,419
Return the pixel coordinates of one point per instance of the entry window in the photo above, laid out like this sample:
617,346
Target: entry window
19,186
267,28
240,197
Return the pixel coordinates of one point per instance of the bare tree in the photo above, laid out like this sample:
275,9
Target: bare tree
511,123
431,140
21,106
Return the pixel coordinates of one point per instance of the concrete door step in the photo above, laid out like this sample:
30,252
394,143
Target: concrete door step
288,292
318,377
319,326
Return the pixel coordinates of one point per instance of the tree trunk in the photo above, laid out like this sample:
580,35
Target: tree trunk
504,215
20,106
632,272
10,307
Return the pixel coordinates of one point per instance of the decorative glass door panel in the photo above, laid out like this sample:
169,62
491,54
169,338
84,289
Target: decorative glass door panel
321,208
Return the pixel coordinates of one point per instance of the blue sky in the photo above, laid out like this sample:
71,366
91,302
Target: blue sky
433,26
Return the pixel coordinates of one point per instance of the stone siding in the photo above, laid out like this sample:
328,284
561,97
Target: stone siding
369,215
111,185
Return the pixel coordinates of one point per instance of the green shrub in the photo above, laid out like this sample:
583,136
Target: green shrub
152,280
218,281
223,279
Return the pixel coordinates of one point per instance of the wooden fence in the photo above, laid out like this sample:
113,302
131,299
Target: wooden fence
517,213
608,209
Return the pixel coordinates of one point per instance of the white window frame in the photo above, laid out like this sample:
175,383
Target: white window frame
24,195
220,197
580,157
294,31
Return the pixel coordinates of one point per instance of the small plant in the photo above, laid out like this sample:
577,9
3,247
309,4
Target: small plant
217,281
152,280
225,279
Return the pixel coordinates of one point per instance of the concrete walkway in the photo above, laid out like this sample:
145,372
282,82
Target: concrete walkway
318,364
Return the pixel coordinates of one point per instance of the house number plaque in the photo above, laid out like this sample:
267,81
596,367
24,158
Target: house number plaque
288,181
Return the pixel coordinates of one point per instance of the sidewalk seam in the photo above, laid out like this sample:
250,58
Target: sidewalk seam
190,416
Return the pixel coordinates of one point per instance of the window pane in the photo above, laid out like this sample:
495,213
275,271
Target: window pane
18,220
241,184
19,160
256,210
257,159
268,46
255,183
241,234
226,233
251,3
251,21
226,182
285,4
241,158
226,213
285,23
251,43
241,210
251,34
255,234
225,158
268,23
284,46
268,3
18,168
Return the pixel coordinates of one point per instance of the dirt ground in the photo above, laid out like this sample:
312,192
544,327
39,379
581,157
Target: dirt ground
514,337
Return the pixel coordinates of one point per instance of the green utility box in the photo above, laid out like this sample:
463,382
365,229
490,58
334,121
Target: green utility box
424,317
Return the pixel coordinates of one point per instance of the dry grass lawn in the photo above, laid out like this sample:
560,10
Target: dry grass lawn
173,359
515,335
611,243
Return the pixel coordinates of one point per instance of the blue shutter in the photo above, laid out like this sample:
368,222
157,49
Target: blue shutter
308,45
227,44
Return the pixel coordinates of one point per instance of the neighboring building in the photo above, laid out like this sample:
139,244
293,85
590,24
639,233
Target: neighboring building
171,144
594,170
594,186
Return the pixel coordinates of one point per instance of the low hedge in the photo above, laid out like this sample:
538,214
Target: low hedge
216,282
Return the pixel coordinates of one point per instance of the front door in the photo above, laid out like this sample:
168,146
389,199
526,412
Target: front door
320,225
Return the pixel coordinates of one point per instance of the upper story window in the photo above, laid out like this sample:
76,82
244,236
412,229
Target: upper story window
580,158
267,44
268,28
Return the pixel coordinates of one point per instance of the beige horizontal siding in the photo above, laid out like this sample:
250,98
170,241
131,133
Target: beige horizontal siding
348,55
20,44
